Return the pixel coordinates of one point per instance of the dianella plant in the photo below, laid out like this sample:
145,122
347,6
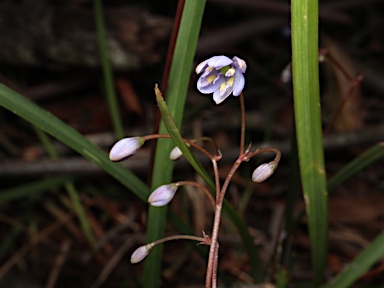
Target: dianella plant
223,77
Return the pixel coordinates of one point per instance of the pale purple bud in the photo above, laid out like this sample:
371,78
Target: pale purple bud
286,74
125,147
140,253
264,171
162,195
176,153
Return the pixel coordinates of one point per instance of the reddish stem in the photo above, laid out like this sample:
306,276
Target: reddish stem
164,82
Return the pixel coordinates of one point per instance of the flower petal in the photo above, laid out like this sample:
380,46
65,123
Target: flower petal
219,62
201,66
221,94
239,82
208,89
239,63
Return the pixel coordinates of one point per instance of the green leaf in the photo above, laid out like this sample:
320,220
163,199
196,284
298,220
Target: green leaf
369,256
31,190
308,126
176,94
176,137
21,106
368,157
107,71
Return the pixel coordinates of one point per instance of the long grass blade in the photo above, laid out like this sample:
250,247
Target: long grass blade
178,82
308,126
29,111
368,157
107,71
70,188
33,189
369,256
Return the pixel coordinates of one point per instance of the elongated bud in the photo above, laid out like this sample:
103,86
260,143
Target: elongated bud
176,153
140,253
286,74
162,195
264,171
125,147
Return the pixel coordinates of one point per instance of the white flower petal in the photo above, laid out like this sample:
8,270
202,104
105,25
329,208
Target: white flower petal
239,63
208,89
220,95
238,83
201,66
219,62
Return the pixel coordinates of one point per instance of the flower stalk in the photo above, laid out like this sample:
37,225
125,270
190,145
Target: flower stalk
221,76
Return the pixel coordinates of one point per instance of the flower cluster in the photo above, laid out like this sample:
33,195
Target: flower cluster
221,76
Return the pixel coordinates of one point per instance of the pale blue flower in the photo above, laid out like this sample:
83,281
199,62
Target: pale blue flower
162,195
221,76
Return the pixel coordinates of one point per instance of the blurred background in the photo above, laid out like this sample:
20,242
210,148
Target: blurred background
49,54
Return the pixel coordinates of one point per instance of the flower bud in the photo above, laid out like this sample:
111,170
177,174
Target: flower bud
176,153
163,195
264,171
286,74
140,253
125,147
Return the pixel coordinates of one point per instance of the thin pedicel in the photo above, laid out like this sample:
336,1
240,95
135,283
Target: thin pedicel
221,76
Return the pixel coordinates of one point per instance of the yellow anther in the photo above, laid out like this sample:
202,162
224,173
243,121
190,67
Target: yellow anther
230,81
210,79
230,72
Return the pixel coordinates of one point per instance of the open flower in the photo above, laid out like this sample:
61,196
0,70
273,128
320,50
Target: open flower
162,195
221,76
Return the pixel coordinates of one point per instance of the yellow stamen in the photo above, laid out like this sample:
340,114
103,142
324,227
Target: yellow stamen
210,79
230,81
230,72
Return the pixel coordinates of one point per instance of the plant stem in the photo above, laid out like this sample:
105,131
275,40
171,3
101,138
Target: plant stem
212,264
242,132
211,275
198,185
197,146
203,240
